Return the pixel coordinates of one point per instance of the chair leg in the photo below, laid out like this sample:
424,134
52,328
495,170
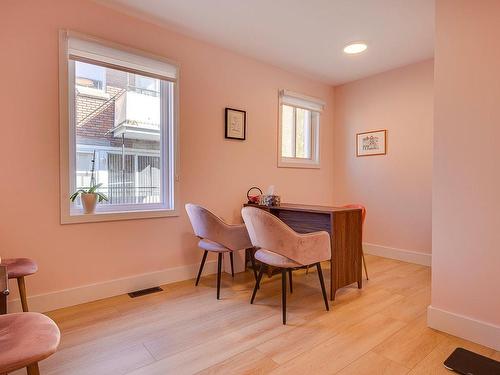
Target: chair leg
322,282
307,270
33,369
257,282
232,266
252,259
201,267
364,264
283,294
22,293
219,273
291,282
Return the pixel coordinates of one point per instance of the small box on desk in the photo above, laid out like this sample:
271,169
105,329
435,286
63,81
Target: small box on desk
270,200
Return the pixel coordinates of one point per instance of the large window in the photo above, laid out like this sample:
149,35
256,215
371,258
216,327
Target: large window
299,130
124,140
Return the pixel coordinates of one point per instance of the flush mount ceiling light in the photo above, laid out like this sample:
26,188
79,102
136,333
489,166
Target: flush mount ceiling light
353,48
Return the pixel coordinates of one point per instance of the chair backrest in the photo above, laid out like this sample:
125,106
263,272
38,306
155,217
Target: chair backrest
209,226
270,233
205,223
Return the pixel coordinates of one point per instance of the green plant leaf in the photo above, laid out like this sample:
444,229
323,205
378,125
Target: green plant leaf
94,188
76,194
102,197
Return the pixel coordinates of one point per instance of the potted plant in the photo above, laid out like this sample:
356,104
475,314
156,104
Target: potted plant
90,196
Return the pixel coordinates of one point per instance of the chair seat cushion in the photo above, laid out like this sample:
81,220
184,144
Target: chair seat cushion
26,338
276,260
212,246
19,267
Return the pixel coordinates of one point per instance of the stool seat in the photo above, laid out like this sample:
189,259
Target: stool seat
26,338
19,267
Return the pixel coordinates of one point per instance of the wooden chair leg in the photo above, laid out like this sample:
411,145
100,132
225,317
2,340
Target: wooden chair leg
22,293
364,264
307,270
257,282
283,293
33,369
232,266
291,282
322,282
219,273
201,267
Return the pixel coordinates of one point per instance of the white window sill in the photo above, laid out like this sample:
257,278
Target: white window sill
79,217
298,163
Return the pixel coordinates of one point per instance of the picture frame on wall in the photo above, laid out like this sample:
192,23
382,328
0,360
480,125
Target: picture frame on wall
236,123
371,143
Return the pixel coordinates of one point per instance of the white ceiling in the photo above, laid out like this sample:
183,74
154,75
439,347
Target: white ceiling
305,36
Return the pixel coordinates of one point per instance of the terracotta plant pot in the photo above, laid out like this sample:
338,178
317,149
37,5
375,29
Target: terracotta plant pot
89,202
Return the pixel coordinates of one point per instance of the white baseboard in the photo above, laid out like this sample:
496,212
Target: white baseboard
462,326
86,293
398,254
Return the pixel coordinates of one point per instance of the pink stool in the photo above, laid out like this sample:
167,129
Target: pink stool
17,268
26,339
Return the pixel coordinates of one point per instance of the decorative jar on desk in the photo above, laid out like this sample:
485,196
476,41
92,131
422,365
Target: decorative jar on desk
270,200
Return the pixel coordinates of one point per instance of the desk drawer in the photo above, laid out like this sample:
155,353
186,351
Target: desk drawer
305,222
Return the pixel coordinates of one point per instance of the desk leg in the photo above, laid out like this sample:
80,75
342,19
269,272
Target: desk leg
333,290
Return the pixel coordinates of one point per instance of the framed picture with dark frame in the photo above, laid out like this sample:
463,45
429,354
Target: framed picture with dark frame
236,124
371,143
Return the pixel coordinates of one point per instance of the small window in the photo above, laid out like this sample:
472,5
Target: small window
299,130
125,140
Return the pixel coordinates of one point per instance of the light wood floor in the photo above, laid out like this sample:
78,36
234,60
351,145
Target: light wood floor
380,329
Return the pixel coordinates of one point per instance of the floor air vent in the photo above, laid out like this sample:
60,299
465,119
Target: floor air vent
143,292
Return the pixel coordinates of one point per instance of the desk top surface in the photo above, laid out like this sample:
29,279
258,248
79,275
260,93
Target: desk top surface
304,207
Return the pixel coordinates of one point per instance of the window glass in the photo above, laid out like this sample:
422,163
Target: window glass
89,75
303,133
124,129
143,84
287,135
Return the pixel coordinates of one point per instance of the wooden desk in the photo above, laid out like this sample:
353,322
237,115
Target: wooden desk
344,227
4,290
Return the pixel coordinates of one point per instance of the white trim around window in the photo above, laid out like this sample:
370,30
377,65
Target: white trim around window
132,60
313,108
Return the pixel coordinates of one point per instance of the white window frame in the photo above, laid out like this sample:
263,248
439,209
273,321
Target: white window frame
296,100
164,69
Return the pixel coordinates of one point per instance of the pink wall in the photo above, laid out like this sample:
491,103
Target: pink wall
395,188
214,171
466,179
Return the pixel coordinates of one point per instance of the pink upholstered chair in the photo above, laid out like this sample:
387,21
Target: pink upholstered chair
216,236
25,340
18,268
280,246
363,216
